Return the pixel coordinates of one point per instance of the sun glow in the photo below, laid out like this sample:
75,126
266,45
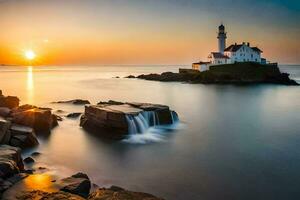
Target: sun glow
30,55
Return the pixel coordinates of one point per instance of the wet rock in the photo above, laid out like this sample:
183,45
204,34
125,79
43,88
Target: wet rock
75,101
81,175
58,118
41,195
34,154
40,119
17,177
4,111
10,161
22,136
130,76
111,118
78,184
117,193
74,115
28,160
4,131
9,101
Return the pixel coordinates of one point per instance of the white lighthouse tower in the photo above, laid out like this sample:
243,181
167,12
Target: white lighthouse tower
222,38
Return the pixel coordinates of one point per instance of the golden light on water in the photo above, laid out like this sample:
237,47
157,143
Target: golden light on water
30,55
30,85
39,182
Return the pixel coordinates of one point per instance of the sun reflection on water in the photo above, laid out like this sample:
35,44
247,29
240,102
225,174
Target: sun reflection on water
30,85
39,182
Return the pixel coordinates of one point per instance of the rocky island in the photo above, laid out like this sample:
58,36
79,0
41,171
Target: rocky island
237,73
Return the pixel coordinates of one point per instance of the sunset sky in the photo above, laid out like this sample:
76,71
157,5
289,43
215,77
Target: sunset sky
95,32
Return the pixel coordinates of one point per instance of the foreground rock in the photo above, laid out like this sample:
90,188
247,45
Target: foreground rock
42,195
40,119
22,136
5,134
75,101
113,193
117,193
116,119
10,161
78,184
9,101
238,73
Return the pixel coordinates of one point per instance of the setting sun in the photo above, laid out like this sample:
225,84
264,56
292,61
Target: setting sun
30,55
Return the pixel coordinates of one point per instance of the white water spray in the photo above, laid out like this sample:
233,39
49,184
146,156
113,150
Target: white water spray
145,127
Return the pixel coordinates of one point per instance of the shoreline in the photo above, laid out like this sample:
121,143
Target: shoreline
21,179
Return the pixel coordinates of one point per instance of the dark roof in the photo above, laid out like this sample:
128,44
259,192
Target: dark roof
233,47
256,49
218,55
201,62
236,47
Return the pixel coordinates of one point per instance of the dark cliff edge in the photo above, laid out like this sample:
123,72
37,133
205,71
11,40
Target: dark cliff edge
237,73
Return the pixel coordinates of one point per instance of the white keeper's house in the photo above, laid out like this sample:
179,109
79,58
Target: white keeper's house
233,53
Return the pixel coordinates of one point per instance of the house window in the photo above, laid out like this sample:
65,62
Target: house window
251,55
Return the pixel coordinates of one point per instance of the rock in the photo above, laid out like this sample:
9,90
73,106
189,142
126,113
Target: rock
237,73
130,76
28,160
9,101
10,161
22,136
114,119
81,175
75,101
41,195
58,118
40,119
4,131
78,184
4,111
117,193
17,177
74,115
34,154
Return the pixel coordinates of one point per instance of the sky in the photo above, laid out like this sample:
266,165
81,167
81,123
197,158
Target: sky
97,32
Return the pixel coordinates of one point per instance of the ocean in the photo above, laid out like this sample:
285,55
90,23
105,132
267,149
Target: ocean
232,142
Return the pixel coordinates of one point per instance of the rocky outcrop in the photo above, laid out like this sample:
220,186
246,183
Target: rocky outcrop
78,184
10,161
42,195
117,193
75,101
73,115
113,193
237,73
115,119
40,119
9,101
4,111
4,131
22,136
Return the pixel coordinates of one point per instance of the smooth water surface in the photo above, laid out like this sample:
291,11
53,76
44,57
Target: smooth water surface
233,142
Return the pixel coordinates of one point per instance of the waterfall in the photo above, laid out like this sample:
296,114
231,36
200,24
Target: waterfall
138,124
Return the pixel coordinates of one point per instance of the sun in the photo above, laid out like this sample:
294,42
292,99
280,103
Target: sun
30,55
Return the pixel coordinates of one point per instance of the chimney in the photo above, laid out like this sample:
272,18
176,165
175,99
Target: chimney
235,44
248,44
243,42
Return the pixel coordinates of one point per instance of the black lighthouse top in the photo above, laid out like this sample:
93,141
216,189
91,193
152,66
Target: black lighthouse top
222,27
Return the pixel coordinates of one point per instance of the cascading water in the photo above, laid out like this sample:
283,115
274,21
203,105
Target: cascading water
145,127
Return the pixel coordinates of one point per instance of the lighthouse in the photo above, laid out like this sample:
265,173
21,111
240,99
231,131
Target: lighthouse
222,38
